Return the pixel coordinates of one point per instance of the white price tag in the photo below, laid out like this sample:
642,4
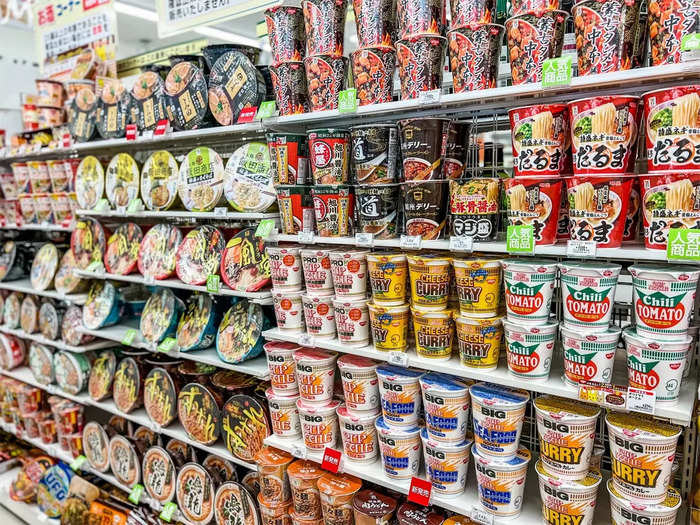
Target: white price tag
580,248
220,211
305,237
411,242
430,96
398,358
155,427
306,340
481,516
149,280
462,244
147,134
364,239
299,451
641,400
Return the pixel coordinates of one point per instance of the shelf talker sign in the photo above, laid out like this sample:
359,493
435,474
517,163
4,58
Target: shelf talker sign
683,245
176,17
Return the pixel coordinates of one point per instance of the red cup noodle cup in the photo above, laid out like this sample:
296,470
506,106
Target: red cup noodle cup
422,146
533,38
672,125
325,78
535,201
420,64
289,84
324,21
598,208
425,208
540,138
474,55
668,23
289,157
468,12
669,200
374,20
285,30
563,222
633,214
329,155
520,7
296,209
455,150
373,74
604,134
334,207
419,16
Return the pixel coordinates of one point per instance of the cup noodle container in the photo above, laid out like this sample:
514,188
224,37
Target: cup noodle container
641,451
446,464
419,58
324,22
588,356
272,470
389,327
284,414
352,321
529,284
470,45
656,365
325,78
534,201
285,267
280,363
349,272
337,492
315,371
498,413
400,448
434,334
664,296
360,384
303,478
529,348
359,435
289,311
319,315
400,395
479,341
568,501
588,294
316,264
446,406
541,140
373,73
430,281
478,283
387,277
626,512
501,482
319,424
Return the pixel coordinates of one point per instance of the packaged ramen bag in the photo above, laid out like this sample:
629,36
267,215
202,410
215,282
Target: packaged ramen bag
122,180
247,179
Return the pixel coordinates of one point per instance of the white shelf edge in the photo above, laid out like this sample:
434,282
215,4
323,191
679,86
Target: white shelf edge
47,227
25,286
89,347
175,214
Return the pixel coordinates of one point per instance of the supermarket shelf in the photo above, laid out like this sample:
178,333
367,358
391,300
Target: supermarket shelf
25,286
28,513
680,413
255,297
44,227
97,345
255,367
180,215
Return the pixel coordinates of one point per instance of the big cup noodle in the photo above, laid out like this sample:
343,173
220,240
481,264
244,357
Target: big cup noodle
434,334
315,372
446,405
359,435
623,511
325,78
478,283
285,267
467,12
334,208
446,464
387,277
641,452
568,501
419,59
285,30
400,449
349,272
533,38
319,315
529,348
375,23
324,22
501,482
284,414
329,155
474,208
656,366
316,263
296,209
289,85
430,281
588,294
377,210
664,296
588,356
498,413
289,311
415,17
479,341
289,158
280,363
319,424
474,53
360,383
352,321
424,207
566,430
400,395
375,154
535,201
373,73
389,327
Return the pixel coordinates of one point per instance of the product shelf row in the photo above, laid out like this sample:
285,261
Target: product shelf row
44,227
224,215
57,343
25,286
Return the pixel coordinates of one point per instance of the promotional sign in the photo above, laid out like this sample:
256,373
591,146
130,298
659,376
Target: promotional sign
175,17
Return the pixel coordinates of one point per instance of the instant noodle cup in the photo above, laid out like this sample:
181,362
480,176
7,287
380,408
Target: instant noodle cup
588,294
498,413
329,155
389,327
158,251
623,510
446,464
248,179
420,59
375,23
572,500
474,208
282,368
663,300
479,341
284,414
430,281
289,311
352,321
400,449
532,38
285,30
160,315
201,182
529,348
469,12
274,514
319,425
303,480
324,21
529,284
446,405
285,267
89,182
123,248
422,147
289,84
319,315
333,208
199,255
44,266
424,206
360,384
272,471
289,158
642,450
501,482
588,356
359,435
315,371
325,78
349,272
399,391
245,266
669,23
434,333
387,278
377,210
474,53
122,180
416,16
296,209
337,492
197,326
540,138
456,146
234,83
656,366
478,283
148,100
373,71
29,314
372,507
316,264
103,306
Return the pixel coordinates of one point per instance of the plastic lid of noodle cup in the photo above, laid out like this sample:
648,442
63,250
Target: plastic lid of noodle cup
355,361
490,394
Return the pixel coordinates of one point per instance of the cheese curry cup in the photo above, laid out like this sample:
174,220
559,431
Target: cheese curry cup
501,482
529,284
446,405
387,277
430,281
389,326
624,511
588,294
529,348
446,464
479,341
568,501
360,383
478,283
315,372
434,334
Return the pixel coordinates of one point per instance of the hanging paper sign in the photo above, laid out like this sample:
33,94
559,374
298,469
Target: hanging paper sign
175,17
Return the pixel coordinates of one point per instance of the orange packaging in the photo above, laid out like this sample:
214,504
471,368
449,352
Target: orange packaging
272,468
275,514
337,492
303,478
108,515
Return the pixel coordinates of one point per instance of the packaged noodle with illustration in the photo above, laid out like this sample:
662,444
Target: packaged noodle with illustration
122,180
535,201
588,294
474,207
529,284
540,139
201,183
568,501
159,178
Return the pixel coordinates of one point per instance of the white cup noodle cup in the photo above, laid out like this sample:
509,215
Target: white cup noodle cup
568,501
319,315
399,392
284,414
567,430
285,267
315,371
588,356
446,407
641,451
529,285
360,384
319,425
400,449
316,264
656,365
664,296
501,482
588,294
498,413
352,321
289,311
624,511
529,348
446,464
349,272
359,435
280,363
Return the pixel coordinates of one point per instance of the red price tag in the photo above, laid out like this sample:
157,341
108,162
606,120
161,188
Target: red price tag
131,132
161,128
66,140
419,491
247,115
331,460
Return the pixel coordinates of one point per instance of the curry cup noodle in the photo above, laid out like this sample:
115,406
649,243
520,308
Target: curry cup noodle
360,383
359,435
529,284
280,363
289,310
568,501
399,391
446,464
349,272
285,267
352,321
400,449
501,482
478,283
319,315
319,424
626,512
315,371
588,294
446,405
389,326
387,277
588,356
566,430
284,414
316,265
529,348
497,413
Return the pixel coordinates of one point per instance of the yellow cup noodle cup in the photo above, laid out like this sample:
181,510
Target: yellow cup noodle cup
588,356
389,326
446,407
359,434
319,424
479,341
478,286
529,284
400,448
430,281
434,333
624,511
568,501
529,348
387,277
360,384
446,464
501,482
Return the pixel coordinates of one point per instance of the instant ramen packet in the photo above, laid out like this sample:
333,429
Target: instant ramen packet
197,326
123,249
238,337
160,315
122,180
87,242
89,182
247,179
158,251
245,265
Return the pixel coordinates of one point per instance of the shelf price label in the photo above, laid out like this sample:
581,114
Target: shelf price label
213,283
247,115
581,248
220,211
305,237
66,140
307,340
298,451
690,47
520,239
135,205
136,493
419,491
481,516
398,358
557,71
462,244
331,460
683,244
641,400
131,132
162,128
102,205
78,463
347,101
264,229
168,511
167,345
605,394
429,97
364,239
410,242
96,267
266,110
129,337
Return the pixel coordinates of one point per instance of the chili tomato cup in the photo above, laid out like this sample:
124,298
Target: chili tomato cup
324,21
529,349
540,138
529,284
420,58
588,294
474,53
668,23
374,21
468,12
419,16
373,73
535,201
588,356
325,78
289,84
285,30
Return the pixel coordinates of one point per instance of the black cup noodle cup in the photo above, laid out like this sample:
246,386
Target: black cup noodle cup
373,74
374,153
325,78
377,209
414,17
289,84
329,155
420,60
540,138
532,38
535,201
324,21
285,30
455,150
422,147
289,157
474,205
467,12
425,208
521,7
296,209
604,134
605,32
668,23
374,21
474,54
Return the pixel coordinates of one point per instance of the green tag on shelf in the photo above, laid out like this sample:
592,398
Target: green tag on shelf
129,337
690,42
347,101
95,267
265,228
683,245
135,494
167,344
168,511
557,71
102,205
135,205
213,283
77,463
520,239
266,110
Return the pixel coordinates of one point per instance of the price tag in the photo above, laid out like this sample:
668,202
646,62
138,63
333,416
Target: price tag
331,460
149,280
162,128
131,132
557,71
606,394
299,451
419,491
147,134
306,340
66,140
481,516
520,239
95,267
580,248
135,205
690,47
265,228
129,337
641,400
462,244
168,511
213,284
102,205
155,427
683,245
77,463
430,97
220,211
305,237
347,101
411,242
398,358
135,494
247,115
364,239
167,345
266,110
